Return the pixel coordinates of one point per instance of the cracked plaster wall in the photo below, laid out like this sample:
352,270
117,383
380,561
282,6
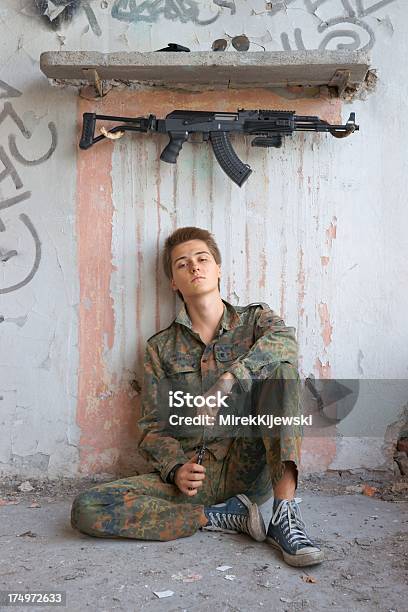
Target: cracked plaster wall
320,230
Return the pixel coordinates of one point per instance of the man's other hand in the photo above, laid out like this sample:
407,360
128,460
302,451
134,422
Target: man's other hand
224,385
189,477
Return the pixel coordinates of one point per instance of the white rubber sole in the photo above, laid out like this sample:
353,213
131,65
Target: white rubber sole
302,560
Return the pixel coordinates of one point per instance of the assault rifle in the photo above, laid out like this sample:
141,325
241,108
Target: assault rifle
268,126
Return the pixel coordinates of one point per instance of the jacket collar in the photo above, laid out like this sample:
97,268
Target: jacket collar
229,320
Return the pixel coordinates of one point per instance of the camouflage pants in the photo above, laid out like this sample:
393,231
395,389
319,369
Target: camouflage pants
146,508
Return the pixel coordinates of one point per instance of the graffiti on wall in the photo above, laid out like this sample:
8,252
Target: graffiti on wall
343,29
10,176
175,10
57,12
348,29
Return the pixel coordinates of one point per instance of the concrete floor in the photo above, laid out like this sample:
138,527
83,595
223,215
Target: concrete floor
364,538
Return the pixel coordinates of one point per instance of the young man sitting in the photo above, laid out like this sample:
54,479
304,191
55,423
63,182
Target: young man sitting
210,480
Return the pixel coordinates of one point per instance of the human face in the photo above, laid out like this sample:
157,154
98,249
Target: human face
189,261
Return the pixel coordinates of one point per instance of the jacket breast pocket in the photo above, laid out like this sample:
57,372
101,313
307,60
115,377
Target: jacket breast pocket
183,370
183,375
181,363
228,353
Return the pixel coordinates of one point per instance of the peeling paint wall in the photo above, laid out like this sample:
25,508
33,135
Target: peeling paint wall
318,231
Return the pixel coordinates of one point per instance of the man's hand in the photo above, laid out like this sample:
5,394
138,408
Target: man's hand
189,477
228,376
224,384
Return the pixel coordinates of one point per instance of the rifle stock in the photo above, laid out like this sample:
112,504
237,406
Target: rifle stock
88,130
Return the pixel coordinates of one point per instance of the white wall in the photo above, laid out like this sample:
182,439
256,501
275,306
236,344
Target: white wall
349,206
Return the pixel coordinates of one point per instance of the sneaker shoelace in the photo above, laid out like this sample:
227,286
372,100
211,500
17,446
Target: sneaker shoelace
287,514
225,520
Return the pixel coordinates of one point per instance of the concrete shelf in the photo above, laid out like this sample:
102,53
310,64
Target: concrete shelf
338,69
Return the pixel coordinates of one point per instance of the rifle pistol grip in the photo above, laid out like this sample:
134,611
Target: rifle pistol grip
171,151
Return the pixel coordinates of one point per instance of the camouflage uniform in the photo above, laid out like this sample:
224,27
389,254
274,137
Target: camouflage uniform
253,343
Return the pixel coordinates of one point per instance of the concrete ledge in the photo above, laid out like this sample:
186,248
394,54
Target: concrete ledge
339,69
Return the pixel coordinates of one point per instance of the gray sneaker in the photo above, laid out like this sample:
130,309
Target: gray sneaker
236,514
287,532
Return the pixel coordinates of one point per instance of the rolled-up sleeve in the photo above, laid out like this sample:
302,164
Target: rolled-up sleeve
275,343
161,450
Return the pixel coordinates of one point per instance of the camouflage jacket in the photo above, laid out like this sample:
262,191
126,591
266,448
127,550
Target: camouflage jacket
249,340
